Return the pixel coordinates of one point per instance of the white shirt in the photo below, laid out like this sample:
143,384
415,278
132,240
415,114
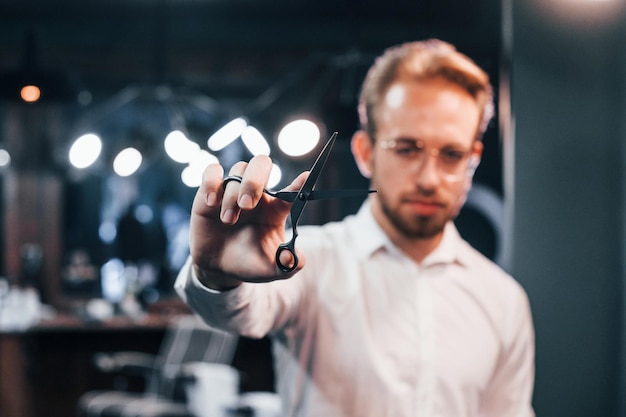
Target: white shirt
363,330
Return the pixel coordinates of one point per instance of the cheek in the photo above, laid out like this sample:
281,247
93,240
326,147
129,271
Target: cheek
384,172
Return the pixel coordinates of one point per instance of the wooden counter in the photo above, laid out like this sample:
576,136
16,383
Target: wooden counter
45,369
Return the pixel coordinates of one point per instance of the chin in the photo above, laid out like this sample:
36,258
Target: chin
418,227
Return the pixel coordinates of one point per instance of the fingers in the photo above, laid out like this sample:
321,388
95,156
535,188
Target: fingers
297,183
209,193
219,204
254,179
236,196
245,195
211,184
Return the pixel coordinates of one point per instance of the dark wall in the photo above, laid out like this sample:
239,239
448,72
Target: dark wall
566,199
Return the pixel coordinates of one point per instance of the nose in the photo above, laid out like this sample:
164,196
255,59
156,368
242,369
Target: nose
426,172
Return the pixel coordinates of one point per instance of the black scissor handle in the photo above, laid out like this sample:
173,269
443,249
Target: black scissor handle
289,246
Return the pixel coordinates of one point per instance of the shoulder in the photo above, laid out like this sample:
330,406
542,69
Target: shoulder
493,283
483,267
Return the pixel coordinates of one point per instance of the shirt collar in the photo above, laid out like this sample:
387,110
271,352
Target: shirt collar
369,238
451,249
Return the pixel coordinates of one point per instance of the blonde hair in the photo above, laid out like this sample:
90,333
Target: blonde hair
419,61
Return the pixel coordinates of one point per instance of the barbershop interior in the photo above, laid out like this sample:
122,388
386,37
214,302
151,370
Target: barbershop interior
110,111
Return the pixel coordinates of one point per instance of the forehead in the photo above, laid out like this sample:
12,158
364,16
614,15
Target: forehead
433,110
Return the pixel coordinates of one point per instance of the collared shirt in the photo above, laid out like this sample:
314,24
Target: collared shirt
363,330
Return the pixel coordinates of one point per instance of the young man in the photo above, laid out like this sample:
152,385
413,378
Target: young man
391,313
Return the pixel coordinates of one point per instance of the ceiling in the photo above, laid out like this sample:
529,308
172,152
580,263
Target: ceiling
227,49
259,58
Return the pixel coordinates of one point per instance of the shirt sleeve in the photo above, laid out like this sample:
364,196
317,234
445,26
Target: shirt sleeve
209,304
188,275
251,309
510,391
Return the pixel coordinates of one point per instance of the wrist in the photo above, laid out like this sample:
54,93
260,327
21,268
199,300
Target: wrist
216,279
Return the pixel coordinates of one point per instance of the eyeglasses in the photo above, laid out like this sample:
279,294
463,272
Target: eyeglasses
452,163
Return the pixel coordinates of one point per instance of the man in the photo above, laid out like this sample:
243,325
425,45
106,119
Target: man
393,313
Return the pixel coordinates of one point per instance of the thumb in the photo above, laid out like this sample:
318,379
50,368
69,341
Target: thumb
298,182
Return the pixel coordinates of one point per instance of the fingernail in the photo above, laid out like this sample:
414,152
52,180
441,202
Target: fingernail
228,216
245,201
211,199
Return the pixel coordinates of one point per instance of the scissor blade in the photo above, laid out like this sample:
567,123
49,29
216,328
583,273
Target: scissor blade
290,196
309,184
333,194
318,165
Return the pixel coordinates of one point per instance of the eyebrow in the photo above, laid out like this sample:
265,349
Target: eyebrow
455,146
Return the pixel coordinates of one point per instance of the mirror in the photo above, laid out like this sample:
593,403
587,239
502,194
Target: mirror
193,66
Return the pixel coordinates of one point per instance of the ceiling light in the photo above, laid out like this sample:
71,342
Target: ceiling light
5,158
298,137
85,150
31,83
127,162
255,142
227,134
30,93
192,174
179,147
276,175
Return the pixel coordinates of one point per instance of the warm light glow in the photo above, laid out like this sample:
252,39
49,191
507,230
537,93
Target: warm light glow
255,142
179,147
85,150
299,137
127,162
30,93
227,134
583,13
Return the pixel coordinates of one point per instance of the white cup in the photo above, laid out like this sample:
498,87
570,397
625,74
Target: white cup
214,389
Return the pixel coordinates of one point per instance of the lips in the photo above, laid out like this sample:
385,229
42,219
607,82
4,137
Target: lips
424,207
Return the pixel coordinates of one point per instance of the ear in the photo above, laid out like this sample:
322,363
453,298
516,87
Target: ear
361,146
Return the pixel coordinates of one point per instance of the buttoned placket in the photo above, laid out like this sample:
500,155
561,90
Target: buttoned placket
425,319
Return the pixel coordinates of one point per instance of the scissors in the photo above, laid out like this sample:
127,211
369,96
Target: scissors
301,197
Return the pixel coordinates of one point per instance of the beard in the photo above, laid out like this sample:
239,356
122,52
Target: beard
416,226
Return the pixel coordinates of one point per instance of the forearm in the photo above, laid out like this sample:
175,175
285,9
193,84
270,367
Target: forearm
249,309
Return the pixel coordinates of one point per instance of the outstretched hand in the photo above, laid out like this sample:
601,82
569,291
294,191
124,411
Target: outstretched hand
234,232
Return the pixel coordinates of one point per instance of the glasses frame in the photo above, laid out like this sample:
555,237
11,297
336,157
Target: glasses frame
420,145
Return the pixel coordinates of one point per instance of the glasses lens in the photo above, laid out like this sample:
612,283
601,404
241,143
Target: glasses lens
452,163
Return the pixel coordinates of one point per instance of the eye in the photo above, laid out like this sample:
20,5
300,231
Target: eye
451,156
407,148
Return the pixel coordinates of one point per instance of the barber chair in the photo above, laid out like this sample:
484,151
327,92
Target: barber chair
187,342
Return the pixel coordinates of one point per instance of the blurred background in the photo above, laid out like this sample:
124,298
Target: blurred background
109,111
